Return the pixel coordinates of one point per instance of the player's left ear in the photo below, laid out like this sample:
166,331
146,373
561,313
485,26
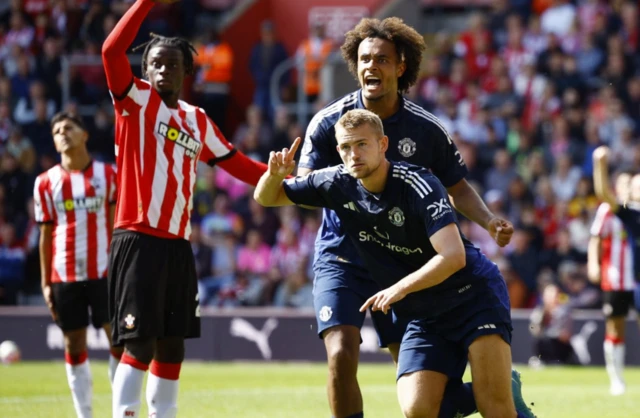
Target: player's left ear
85,136
402,67
384,144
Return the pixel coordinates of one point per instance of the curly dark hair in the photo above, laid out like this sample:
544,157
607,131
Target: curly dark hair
158,40
408,42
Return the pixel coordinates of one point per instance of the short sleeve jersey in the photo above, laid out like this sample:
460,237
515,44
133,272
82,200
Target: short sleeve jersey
391,231
415,136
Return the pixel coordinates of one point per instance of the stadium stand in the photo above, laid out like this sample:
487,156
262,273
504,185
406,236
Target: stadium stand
527,89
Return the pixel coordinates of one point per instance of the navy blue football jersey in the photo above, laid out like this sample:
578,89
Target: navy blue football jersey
415,136
630,217
391,230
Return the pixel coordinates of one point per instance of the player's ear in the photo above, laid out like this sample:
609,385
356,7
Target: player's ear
384,144
402,67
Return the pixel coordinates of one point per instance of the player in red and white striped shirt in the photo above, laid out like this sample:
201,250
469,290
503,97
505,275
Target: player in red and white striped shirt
152,278
610,263
74,204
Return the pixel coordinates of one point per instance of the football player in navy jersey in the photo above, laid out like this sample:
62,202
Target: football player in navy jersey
628,211
384,56
401,222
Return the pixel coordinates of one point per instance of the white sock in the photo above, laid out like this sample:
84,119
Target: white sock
614,360
113,365
127,387
162,392
80,383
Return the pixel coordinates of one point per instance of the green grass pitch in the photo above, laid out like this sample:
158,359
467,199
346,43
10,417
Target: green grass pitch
278,390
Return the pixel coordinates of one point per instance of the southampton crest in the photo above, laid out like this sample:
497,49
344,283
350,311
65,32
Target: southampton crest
407,147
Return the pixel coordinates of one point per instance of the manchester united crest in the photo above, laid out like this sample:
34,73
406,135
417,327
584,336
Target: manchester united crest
407,147
396,217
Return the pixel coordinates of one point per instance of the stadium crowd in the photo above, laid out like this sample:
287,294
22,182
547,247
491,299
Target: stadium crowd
527,91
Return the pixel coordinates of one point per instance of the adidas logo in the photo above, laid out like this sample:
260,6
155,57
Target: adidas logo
350,206
487,326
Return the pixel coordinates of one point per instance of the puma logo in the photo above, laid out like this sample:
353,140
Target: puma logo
579,342
243,329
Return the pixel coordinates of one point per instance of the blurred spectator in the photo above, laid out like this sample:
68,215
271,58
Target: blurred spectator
16,186
223,267
20,148
518,292
31,289
313,52
264,221
214,69
524,259
101,134
551,326
35,105
266,55
502,172
12,264
565,178
558,18
19,34
6,125
221,221
254,125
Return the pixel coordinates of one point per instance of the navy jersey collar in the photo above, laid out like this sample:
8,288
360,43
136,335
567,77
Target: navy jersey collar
381,200
391,119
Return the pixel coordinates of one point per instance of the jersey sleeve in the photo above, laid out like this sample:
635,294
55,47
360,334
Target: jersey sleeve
432,203
215,147
310,190
319,144
43,203
118,72
600,226
448,166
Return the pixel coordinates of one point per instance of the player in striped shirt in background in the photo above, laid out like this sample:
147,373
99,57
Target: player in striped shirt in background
74,205
159,140
611,263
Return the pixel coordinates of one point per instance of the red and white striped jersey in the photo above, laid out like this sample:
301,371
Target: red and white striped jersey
77,203
157,151
616,266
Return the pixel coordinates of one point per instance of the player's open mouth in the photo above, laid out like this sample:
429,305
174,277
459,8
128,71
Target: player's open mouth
372,82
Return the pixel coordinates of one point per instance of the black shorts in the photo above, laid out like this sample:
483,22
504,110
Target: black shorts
73,300
153,287
617,303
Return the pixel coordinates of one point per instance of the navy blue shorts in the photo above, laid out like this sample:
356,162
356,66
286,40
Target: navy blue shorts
441,344
338,294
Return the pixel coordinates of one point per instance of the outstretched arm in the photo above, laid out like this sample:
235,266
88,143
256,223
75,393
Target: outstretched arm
601,178
270,189
466,201
114,49
243,168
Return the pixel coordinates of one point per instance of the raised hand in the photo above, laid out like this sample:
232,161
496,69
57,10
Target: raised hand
601,153
281,163
501,231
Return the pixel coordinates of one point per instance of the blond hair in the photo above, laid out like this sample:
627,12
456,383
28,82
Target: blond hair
355,118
